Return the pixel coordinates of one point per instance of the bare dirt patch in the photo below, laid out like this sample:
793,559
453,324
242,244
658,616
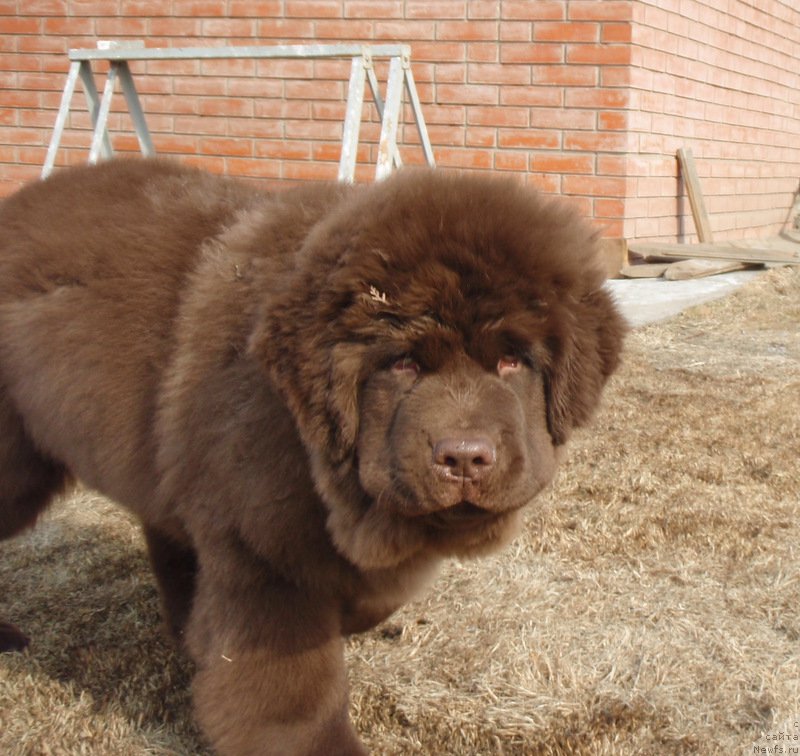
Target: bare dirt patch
651,607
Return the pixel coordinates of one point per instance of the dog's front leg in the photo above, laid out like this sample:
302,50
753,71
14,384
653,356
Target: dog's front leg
271,676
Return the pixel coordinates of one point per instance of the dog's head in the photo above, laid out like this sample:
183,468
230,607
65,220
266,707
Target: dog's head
437,340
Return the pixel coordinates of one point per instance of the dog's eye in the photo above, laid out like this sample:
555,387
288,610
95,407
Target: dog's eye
508,364
407,365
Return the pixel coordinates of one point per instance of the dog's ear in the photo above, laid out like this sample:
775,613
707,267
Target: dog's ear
346,376
317,374
584,354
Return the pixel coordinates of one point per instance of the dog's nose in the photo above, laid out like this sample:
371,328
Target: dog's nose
464,458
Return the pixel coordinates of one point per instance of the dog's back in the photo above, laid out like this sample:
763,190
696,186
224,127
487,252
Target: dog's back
91,268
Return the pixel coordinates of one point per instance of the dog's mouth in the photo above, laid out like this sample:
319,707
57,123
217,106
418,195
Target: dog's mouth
463,515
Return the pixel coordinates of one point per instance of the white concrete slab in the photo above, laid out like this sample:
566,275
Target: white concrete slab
649,300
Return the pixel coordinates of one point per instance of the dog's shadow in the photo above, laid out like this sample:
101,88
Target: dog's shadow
85,596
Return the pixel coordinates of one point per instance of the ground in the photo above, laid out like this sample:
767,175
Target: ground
652,605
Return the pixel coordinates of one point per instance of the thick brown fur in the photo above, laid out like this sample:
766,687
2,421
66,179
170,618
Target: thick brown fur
309,398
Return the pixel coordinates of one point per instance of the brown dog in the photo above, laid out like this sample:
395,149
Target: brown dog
309,398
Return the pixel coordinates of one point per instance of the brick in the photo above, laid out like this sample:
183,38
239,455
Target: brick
530,53
95,8
34,8
229,27
534,10
39,119
11,62
343,30
515,31
528,138
612,120
257,8
453,73
622,32
594,185
146,8
32,155
175,27
391,31
595,142
373,9
622,76
550,183
121,27
446,136
453,157
328,111
483,52
205,8
177,145
609,208
479,137
329,152
511,161
612,165
285,29
283,149
466,30
467,94
229,107
195,85
226,146
28,80
598,54
312,9
19,25
549,31
565,76
255,167
314,130
307,171
439,113
493,73
257,128
483,9
314,90
601,10
40,44
493,116
436,9
563,163
596,97
437,51
531,96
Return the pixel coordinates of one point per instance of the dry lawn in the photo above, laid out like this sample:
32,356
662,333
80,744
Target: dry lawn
652,606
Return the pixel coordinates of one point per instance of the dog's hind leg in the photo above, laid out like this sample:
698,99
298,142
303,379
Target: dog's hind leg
28,481
174,563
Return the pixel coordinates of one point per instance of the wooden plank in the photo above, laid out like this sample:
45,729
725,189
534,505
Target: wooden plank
645,270
699,268
715,252
696,201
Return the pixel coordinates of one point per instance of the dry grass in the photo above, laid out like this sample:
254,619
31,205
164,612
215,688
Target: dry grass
652,606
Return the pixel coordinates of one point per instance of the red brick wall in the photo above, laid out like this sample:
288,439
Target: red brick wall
724,79
585,98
